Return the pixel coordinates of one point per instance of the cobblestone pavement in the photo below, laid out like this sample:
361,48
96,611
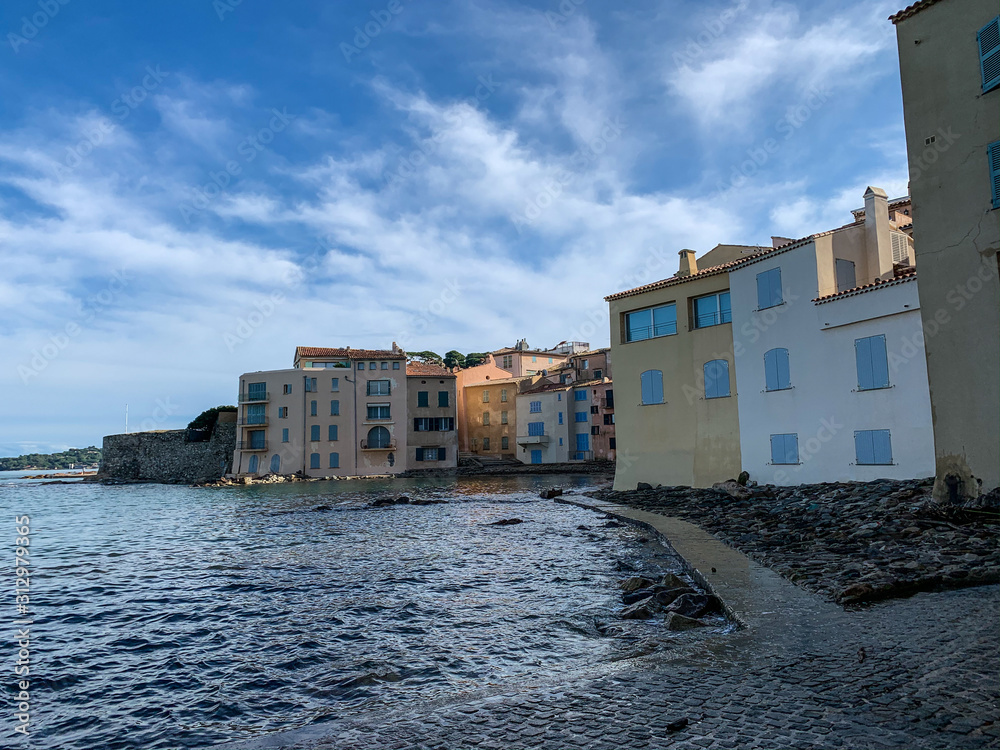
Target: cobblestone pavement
914,673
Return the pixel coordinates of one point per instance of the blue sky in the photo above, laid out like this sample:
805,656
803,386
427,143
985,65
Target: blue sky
188,190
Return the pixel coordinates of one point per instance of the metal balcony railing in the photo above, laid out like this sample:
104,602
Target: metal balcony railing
253,445
378,445
258,397
253,421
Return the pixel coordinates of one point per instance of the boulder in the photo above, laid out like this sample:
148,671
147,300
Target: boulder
402,500
669,596
743,478
383,501
551,493
644,486
695,605
506,522
676,621
732,488
635,583
631,597
672,581
641,610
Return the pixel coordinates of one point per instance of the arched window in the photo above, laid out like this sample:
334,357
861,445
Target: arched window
716,379
652,387
252,464
378,437
776,376
275,464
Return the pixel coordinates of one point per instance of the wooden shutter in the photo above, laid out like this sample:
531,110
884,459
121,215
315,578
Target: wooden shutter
989,53
420,454
863,355
864,448
994,156
441,454
880,362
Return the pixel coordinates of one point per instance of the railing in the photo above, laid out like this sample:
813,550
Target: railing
641,333
378,445
255,398
706,320
253,445
533,439
253,421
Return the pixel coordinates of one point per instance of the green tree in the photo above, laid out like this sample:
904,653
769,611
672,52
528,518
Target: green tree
207,419
475,358
426,356
454,359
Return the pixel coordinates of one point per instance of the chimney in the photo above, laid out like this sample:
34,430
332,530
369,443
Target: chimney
688,265
878,243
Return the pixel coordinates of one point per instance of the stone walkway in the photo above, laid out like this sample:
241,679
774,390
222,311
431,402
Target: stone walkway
922,672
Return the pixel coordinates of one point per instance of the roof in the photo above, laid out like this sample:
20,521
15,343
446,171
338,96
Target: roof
904,276
894,203
302,352
426,369
911,10
543,352
497,381
592,352
547,387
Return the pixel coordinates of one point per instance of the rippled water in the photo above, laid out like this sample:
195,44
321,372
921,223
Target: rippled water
170,616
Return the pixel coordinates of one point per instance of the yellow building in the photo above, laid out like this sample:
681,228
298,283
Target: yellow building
949,61
675,387
491,415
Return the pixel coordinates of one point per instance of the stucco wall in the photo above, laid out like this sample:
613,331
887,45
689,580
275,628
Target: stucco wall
552,403
164,456
444,439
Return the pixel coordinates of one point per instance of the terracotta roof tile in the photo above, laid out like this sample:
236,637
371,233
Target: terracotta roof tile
911,10
426,369
903,277
348,353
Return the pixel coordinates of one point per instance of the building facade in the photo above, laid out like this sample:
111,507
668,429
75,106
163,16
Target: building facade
485,372
949,61
491,416
431,397
521,359
544,423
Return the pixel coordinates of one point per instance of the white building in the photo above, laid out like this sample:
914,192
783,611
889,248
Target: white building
830,367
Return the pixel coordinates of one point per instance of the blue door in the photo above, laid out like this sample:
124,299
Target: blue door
252,467
582,446
536,457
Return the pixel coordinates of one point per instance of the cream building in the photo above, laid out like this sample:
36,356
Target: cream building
949,61
432,442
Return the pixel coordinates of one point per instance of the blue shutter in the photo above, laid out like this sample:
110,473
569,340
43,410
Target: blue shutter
716,378
646,381
334,460
863,353
560,417
657,379
791,449
880,362
993,151
864,447
421,398
771,370
284,435
881,447
335,408
333,432
314,461
275,464
312,408
784,374
442,399
775,284
314,433
335,384
989,53
725,308
763,291
420,454
252,465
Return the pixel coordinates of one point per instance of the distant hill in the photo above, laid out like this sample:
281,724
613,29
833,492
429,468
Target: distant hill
90,456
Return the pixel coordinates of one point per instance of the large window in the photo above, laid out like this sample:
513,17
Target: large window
776,375
433,424
310,385
256,391
873,363
716,378
769,289
335,408
650,323
712,310
536,428
989,54
334,460
379,388
431,454
334,384
581,416
258,439
873,447
486,418
580,395
535,407
378,411
256,414
785,449
651,382
379,437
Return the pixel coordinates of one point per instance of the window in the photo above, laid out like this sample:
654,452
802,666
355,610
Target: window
550,360
581,416
334,460
594,410
785,449
286,389
385,365
652,387
650,323
361,365
534,359
310,385
609,419
433,424
379,388
873,447
846,277
314,461
503,394
598,373
282,412
314,433
989,54
312,408
486,443
508,361
443,399
373,365
712,310
873,365
993,151
769,289
560,441
275,464
612,443
776,376
716,378
486,418
610,395
504,443
335,408
585,364
535,407
558,397
378,411
503,417
332,433
579,395
486,397
395,365
258,438
378,437
335,384
560,417
422,398
256,414
536,428
595,430
284,435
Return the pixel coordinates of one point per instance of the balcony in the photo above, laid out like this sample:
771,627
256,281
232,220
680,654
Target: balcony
253,445
253,422
260,397
378,445
533,439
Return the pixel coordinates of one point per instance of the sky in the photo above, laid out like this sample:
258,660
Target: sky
190,190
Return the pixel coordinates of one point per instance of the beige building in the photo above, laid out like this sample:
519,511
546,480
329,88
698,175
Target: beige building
491,415
949,60
671,431
432,442
521,359
479,374
337,412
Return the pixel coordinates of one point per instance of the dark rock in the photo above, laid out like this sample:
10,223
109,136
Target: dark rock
641,610
402,500
506,522
320,508
644,486
549,494
743,478
695,605
581,527
669,596
672,581
635,583
612,524
677,724
631,597
675,621
383,501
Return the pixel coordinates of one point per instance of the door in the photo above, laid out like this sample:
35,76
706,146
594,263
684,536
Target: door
536,457
582,446
252,466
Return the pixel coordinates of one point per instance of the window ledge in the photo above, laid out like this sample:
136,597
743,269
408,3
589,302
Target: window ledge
772,463
658,403
378,421
771,307
880,388
777,390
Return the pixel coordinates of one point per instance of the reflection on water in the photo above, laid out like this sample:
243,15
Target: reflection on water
169,616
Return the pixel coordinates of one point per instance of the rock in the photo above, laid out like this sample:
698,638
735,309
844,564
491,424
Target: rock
581,527
695,605
667,597
743,478
644,486
641,610
732,488
321,508
677,724
402,500
612,524
672,581
506,522
635,583
383,502
677,621
549,494
631,597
